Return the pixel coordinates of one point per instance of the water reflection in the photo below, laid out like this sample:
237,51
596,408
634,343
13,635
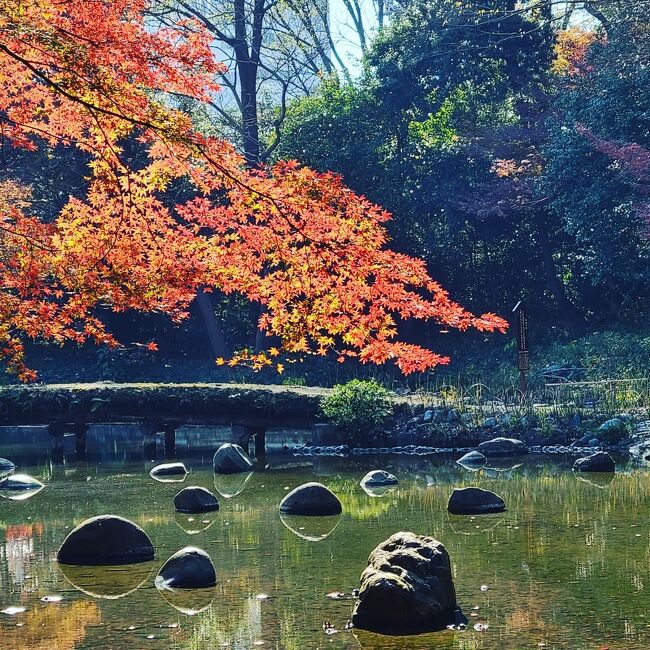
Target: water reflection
313,529
500,468
602,481
502,464
230,485
19,549
6,468
107,582
475,525
19,487
59,627
563,542
196,523
379,490
438,640
188,601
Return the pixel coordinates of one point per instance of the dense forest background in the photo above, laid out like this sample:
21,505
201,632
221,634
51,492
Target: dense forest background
510,141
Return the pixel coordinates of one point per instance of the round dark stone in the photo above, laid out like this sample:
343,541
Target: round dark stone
503,447
168,469
231,459
474,501
194,499
6,466
189,568
311,499
601,461
106,540
378,478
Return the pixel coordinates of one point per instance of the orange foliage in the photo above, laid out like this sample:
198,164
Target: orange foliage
571,49
62,627
87,74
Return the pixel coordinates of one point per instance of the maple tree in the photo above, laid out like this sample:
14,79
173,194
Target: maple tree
90,75
571,48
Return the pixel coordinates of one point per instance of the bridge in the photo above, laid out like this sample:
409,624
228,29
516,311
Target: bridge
249,409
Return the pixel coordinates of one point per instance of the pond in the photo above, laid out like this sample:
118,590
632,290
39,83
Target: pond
567,566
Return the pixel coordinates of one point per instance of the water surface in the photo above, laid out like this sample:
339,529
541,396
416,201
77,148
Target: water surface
567,566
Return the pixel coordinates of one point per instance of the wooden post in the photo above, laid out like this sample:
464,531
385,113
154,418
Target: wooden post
149,444
260,442
170,440
522,347
56,430
80,431
241,434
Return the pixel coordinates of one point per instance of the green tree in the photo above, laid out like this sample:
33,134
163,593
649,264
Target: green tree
447,90
606,101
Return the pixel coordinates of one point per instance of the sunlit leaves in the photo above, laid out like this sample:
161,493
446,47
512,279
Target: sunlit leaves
312,252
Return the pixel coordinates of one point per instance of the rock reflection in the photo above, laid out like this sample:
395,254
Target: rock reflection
19,487
193,524
375,641
188,601
177,478
108,582
6,467
475,524
500,468
601,481
502,464
313,529
379,490
230,485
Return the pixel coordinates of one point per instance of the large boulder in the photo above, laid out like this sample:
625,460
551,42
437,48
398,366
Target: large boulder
231,459
474,501
189,568
378,478
407,587
601,461
503,447
168,470
612,430
194,499
311,499
106,540
19,487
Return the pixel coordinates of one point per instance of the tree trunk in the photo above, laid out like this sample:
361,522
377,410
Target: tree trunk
250,126
212,326
571,314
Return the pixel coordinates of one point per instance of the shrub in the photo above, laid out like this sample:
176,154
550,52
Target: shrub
358,407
